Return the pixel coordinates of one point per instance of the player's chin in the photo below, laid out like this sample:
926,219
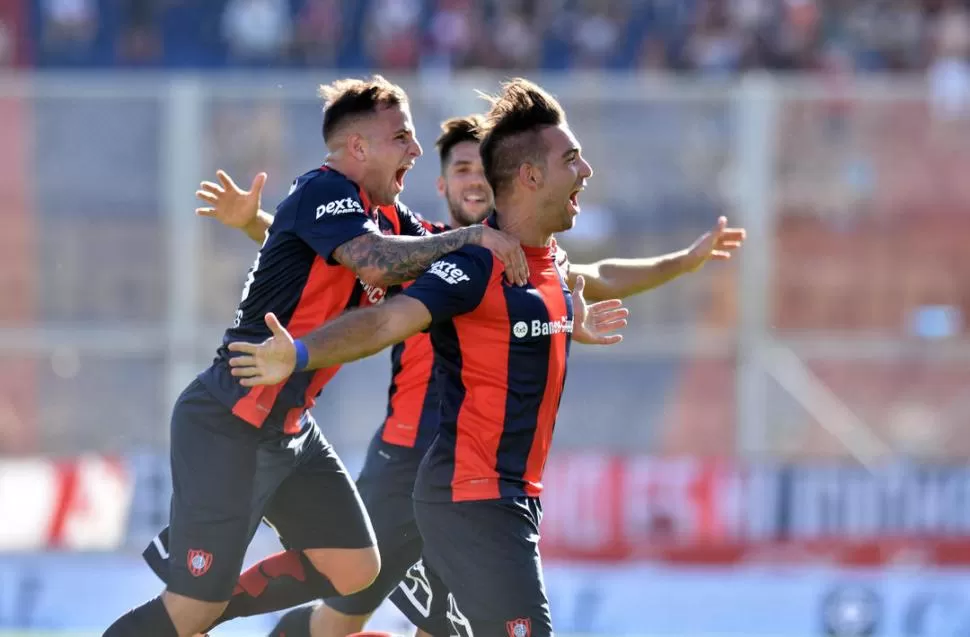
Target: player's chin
474,212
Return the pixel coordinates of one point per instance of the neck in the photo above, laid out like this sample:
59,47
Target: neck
350,169
518,219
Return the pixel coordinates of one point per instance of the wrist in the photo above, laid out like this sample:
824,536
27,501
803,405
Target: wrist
474,234
302,355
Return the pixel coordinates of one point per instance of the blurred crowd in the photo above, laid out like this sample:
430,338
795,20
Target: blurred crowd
708,36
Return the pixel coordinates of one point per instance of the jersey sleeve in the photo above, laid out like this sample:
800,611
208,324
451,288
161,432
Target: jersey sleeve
330,213
455,284
414,225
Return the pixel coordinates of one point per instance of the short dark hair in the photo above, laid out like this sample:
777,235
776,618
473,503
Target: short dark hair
512,126
347,99
456,130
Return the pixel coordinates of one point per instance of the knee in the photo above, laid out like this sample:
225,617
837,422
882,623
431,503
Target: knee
349,570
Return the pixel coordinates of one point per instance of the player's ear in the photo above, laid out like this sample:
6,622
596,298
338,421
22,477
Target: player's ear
357,146
530,175
441,186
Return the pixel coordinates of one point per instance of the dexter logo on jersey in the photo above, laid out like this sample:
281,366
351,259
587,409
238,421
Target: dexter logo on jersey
339,207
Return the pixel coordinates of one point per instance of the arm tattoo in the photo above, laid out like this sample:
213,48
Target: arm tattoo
392,260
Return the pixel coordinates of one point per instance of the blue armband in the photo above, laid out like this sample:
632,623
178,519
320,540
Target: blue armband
302,355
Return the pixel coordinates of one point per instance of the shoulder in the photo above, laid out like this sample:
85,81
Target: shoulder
328,193
470,263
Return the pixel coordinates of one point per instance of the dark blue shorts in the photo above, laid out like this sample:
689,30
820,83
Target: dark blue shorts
228,475
486,554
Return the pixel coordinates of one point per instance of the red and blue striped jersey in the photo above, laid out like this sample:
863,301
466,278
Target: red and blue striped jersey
295,277
412,398
500,356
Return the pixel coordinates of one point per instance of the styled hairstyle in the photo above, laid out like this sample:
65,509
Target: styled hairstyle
457,130
349,99
512,130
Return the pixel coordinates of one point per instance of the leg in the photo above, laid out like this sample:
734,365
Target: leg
423,598
319,517
487,555
214,468
385,485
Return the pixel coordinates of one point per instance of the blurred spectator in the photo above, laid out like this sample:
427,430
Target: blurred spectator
140,39
949,74
705,36
257,30
393,36
68,24
452,34
319,28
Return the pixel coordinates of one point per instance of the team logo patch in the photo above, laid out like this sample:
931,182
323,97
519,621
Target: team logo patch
519,627
199,562
520,329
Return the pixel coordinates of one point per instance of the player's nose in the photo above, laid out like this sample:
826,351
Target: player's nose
416,150
585,170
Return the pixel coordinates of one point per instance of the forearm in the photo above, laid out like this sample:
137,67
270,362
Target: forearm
621,278
258,227
391,260
355,334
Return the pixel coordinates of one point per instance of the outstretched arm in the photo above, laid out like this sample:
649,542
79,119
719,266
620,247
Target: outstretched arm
353,335
621,278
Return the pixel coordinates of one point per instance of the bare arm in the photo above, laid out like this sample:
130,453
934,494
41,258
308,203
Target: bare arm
364,332
384,260
258,227
620,278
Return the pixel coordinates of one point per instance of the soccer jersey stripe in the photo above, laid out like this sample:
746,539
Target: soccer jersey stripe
326,293
558,305
407,406
482,414
528,362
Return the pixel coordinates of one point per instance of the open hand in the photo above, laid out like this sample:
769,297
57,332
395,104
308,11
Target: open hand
596,324
267,363
718,244
509,251
228,203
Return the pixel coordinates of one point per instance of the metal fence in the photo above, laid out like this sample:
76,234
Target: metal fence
838,331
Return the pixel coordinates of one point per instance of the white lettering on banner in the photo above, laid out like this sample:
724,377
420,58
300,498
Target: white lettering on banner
339,207
615,508
80,504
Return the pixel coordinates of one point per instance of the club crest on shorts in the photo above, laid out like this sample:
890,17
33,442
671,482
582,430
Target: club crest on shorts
519,627
199,562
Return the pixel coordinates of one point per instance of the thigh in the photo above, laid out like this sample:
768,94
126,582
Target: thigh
486,553
317,505
214,467
385,486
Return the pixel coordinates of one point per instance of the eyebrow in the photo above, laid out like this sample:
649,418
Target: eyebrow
407,131
574,149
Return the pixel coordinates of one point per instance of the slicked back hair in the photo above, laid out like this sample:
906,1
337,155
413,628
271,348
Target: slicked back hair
512,130
348,99
456,130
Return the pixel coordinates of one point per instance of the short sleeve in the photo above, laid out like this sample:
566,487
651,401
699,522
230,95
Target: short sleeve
330,213
455,284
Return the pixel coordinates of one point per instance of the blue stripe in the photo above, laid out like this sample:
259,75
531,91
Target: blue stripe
528,372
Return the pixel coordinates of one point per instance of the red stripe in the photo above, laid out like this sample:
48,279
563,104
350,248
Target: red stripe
390,213
550,287
484,347
411,388
67,489
325,295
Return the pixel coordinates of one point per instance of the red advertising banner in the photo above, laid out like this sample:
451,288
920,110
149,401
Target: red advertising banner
614,508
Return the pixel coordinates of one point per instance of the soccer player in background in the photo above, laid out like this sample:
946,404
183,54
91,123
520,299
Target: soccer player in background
500,365
387,478
239,454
